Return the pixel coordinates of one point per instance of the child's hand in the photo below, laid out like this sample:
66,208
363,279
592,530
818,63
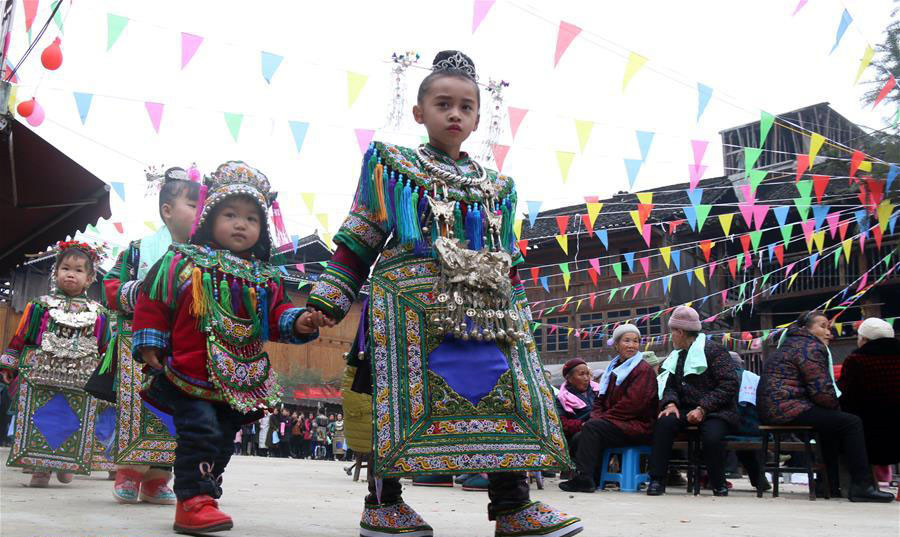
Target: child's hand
312,320
151,357
7,376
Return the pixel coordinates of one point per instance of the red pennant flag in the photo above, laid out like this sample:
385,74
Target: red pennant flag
863,195
499,152
877,232
706,248
592,298
644,211
119,227
888,86
857,157
745,244
732,267
586,220
876,192
567,33
593,274
779,254
562,222
842,228
820,183
535,272
802,165
523,247
673,225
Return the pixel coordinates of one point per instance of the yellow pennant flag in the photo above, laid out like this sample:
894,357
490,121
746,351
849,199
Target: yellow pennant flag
793,277
323,219
566,278
563,241
583,128
819,239
565,162
517,228
698,272
151,225
326,238
725,220
809,243
847,244
839,328
864,62
884,214
12,97
309,198
355,83
815,143
666,252
636,218
578,304
865,165
635,62
593,210
571,330
645,197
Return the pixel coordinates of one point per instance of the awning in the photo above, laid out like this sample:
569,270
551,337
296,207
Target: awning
316,392
44,195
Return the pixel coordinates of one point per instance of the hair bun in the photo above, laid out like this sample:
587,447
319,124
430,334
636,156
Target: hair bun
454,61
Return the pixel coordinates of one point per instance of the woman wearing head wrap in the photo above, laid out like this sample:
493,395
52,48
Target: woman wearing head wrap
797,388
623,411
870,388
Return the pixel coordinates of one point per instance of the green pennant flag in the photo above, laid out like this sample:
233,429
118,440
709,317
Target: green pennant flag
765,124
656,315
549,311
114,26
751,155
702,212
802,205
765,279
765,334
786,234
804,187
740,261
742,289
234,124
757,177
755,237
57,17
617,268
612,294
837,257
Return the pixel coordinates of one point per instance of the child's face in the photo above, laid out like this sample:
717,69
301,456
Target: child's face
237,225
449,111
179,216
73,275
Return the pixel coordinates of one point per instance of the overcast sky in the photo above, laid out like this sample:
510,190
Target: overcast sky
755,55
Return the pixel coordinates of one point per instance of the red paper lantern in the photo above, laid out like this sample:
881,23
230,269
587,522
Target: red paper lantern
26,108
52,56
746,336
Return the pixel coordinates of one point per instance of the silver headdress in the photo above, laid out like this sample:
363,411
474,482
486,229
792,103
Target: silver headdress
457,63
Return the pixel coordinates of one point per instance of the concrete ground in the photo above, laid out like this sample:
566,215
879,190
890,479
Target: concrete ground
293,498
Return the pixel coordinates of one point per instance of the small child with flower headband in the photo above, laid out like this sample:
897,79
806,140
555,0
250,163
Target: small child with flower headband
60,339
203,313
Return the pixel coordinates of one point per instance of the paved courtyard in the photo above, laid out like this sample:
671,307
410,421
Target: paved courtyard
291,498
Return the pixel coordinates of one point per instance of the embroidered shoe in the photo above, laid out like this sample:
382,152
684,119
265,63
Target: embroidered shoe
391,520
432,481
39,480
157,491
65,477
200,514
128,482
537,519
477,482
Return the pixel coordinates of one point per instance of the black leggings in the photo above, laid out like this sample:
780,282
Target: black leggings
712,438
597,435
839,433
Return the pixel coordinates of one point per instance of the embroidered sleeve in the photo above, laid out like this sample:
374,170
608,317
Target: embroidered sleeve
339,284
27,332
119,291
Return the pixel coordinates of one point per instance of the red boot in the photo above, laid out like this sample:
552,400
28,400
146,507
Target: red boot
200,514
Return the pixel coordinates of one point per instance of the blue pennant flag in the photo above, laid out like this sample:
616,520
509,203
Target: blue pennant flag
696,196
544,283
665,281
119,188
298,130
812,262
676,258
83,102
645,138
632,166
270,63
704,93
691,214
690,277
892,174
819,214
534,207
771,248
629,260
846,19
781,214
861,219
604,237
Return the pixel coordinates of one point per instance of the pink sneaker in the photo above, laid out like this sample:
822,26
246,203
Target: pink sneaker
39,480
157,491
128,482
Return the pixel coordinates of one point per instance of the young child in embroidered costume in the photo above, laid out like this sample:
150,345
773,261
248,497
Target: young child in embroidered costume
57,345
203,313
145,453
445,346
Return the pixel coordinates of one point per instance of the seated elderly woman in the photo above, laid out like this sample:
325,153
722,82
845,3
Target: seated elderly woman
797,388
870,388
698,386
575,398
623,412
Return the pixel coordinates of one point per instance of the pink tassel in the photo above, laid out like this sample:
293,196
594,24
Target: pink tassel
281,235
44,322
193,173
201,202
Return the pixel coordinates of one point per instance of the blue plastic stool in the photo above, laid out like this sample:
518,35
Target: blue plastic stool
629,477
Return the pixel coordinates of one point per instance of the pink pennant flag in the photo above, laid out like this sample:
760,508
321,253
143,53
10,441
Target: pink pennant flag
646,234
888,86
800,5
724,296
595,264
749,195
712,268
155,111
832,220
863,281
759,215
699,148
637,289
789,269
747,212
364,138
516,115
864,236
189,45
119,227
645,264
696,172
480,11
567,33
591,199
499,152
809,226
300,267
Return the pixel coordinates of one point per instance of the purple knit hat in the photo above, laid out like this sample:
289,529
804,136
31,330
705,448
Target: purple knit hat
685,318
